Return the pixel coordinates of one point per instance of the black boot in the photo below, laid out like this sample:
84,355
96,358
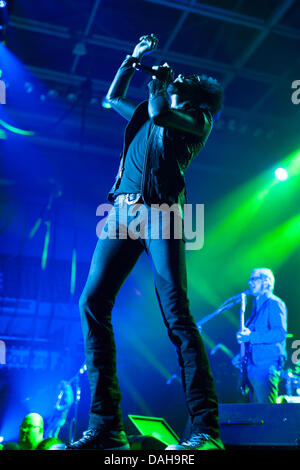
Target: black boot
97,439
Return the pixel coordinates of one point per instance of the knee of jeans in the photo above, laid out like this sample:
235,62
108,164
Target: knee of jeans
99,305
83,303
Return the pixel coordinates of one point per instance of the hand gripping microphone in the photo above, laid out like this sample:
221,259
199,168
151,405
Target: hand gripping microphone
148,70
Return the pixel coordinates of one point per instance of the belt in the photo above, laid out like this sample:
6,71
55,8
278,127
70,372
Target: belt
129,198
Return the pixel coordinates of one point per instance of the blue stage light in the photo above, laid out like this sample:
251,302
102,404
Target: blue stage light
3,4
28,87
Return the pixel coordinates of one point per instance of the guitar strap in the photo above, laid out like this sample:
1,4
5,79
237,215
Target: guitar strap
255,313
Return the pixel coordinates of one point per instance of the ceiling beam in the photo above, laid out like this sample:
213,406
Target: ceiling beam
39,27
179,24
86,31
240,115
228,16
258,40
126,46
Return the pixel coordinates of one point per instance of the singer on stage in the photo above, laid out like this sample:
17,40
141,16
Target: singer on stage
265,338
162,137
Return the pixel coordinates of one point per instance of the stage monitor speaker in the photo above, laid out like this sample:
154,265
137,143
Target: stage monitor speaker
260,424
156,432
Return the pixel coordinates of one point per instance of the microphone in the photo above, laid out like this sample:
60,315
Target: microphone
246,292
148,70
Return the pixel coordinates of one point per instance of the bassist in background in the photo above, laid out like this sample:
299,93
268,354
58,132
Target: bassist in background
265,338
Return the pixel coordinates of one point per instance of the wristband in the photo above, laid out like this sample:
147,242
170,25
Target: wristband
129,60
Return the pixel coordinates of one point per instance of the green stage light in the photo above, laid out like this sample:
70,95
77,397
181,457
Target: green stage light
105,104
281,174
293,164
73,272
241,229
276,246
15,130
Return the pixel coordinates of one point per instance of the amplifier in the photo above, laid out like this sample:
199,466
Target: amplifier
260,424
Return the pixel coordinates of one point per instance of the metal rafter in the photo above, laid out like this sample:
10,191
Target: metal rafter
87,31
177,28
101,87
227,16
172,36
212,47
287,75
125,46
254,45
114,43
265,27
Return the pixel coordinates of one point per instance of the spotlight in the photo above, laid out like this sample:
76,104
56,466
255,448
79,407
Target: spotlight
1,438
28,87
105,104
72,97
79,49
3,20
93,101
52,93
281,174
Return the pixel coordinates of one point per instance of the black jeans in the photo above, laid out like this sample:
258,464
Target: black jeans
112,261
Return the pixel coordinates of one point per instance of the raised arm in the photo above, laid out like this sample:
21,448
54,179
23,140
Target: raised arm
116,95
162,114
